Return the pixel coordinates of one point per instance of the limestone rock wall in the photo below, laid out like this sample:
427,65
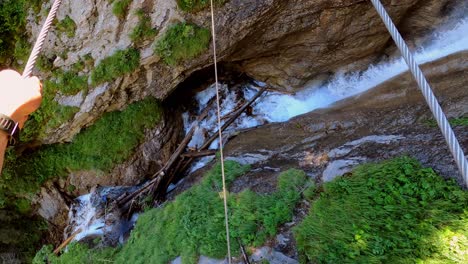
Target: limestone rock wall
284,43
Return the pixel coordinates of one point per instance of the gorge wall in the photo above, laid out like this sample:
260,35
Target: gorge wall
105,56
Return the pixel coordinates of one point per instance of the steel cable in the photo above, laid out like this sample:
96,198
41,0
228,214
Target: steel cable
40,39
424,86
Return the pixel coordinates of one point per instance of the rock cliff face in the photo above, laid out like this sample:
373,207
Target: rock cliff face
284,43
391,119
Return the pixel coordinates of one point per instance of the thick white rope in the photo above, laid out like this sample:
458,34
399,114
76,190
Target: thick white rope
431,100
41,38
226,216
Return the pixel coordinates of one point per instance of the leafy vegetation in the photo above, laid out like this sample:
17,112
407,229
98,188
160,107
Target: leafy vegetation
120,8
181,42
68,82
459,121
109,141
51,114
193,224
44,63
12,19
116,65
20,234
392,212
143,29
196,5
67,26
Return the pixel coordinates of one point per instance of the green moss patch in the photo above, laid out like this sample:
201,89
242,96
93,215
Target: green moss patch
181,42
143,29
111,140
193,224
116,65
391,212
120,8
12,21
458,121
67,26
197,5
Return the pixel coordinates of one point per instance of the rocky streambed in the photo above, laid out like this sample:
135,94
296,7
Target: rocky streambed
313,54
382,116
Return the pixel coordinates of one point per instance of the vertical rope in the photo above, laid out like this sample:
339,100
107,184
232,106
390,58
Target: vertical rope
431,100
40,39
220,134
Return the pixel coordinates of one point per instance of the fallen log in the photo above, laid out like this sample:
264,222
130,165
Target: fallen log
67,241
244,254
164,176
198,154
153,184
232,119
226,125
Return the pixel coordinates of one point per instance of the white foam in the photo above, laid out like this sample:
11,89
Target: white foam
85,219
279,107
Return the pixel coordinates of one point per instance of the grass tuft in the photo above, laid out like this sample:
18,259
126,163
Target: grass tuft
120,8
67,26
111,140
181,42
458,121
391,212
116,65
196,5
143,29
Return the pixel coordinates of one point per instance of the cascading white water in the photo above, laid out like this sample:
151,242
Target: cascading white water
276,107
279,107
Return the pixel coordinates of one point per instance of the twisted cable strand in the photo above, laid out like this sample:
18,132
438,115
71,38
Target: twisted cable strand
40,39
226,216
424,86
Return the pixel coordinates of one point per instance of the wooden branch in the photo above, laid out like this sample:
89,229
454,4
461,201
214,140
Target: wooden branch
186,140
198,154
226,125
66,242
244,254
168,171
232,119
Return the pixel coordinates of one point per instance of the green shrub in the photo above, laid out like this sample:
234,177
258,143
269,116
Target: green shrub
458,121
392,212
49,115
22,51
68,82
193,224
181,42
120,8
44,64
67,26
111,140
143,29
116,65
12,21
21,234
76,254
196,5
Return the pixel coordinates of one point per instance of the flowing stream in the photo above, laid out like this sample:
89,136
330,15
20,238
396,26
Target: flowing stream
270,107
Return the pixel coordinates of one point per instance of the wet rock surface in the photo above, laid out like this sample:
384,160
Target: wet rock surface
284,43
387,121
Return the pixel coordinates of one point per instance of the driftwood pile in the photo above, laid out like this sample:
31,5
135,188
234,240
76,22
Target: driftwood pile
181,159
